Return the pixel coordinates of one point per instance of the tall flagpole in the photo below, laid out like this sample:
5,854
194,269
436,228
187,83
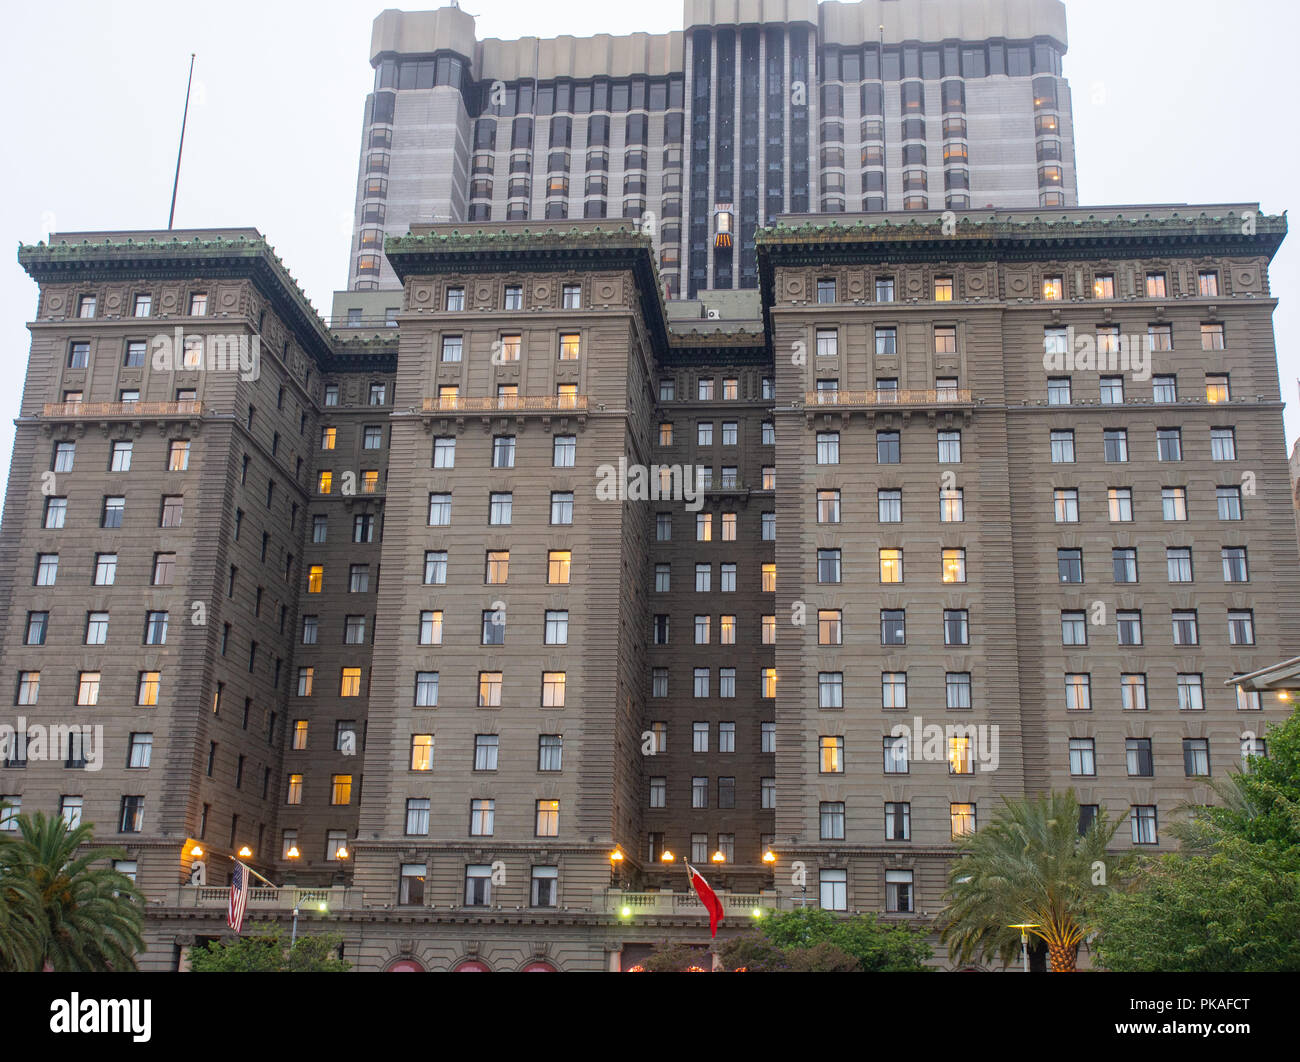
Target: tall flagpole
184,118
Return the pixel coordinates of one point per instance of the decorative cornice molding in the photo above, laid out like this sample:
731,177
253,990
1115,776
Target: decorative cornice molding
219,257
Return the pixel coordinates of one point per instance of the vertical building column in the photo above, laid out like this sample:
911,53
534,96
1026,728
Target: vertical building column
713,161
737,157
785,108
762,127
688,114
814,125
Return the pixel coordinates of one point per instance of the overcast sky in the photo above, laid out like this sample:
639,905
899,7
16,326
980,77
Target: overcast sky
1172,103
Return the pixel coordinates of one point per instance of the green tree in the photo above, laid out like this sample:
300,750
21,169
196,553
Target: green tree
85,917
754,953
263,949
1229,901
1233,910
809,938
1030,865
20,938
1261,804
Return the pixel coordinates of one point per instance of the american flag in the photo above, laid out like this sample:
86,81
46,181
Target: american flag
238,897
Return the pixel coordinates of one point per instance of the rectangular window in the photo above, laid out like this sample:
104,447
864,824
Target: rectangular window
350,682
963,820
1129,625
1241,627
489,689
1229,502
439,510
1133,692
482,817
1062,447
1173,503
557,627
1083,758
1119,503
832,820
1137,755
1196,757
956,627
155,630
426,689
37,626
1078,692
561,507
430,627
832,889
1191,694
896,754
1235,567
1178,560
1223,444
47,569
1115,445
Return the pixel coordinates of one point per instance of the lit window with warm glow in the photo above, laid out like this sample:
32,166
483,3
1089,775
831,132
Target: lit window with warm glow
954,565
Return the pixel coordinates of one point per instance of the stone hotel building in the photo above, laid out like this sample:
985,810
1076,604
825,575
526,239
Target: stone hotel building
470,614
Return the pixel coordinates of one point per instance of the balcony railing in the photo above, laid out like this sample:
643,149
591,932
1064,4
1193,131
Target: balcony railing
122,409
507,404
946,396
340,898
263,897
680,903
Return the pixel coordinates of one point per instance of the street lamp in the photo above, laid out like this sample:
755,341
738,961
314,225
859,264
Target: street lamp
667,857
1024,928
245,852
293,852
196,852
769,857
718,857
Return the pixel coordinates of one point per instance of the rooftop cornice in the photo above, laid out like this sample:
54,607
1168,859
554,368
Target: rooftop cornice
219,256
450,248
1019,235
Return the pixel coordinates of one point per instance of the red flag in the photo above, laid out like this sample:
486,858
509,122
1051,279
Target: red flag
707,897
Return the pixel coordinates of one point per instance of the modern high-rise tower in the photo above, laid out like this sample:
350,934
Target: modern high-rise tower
703,135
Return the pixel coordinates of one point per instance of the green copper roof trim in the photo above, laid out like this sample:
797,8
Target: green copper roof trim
1040,227
39,258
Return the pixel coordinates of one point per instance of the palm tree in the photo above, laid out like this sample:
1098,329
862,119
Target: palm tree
19,906
1031,865
87,917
